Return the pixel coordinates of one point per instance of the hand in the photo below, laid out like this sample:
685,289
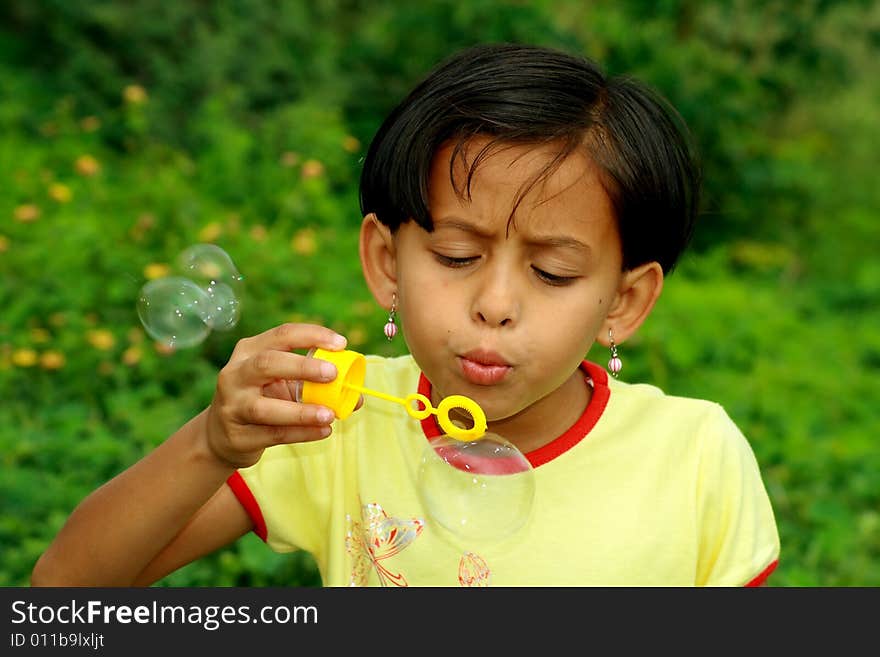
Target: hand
254,407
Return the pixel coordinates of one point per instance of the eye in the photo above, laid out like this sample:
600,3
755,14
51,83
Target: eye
450,261
553,279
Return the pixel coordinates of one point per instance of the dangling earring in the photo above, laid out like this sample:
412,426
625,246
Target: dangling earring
615,364
390,326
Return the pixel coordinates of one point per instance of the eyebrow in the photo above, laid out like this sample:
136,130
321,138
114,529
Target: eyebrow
559,241
461,224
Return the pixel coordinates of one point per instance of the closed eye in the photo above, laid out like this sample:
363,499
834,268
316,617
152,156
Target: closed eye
553,279
450,261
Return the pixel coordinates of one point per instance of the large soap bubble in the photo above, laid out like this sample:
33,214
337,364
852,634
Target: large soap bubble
180,311
478,490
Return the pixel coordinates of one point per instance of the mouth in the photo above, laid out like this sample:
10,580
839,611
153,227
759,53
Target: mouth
483,367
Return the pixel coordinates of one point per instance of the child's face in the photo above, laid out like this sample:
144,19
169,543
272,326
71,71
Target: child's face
505,314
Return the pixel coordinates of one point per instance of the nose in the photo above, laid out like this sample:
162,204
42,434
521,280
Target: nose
496,302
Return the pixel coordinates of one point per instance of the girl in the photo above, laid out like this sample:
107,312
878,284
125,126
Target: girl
518,206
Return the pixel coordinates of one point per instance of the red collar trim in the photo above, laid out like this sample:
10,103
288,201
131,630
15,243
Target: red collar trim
567,440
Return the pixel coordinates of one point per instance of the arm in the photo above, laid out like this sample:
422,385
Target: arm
173,506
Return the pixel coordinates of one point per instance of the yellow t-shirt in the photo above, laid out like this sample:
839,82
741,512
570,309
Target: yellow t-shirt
645,489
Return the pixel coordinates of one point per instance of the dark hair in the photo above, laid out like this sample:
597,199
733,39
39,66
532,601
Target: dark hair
517,94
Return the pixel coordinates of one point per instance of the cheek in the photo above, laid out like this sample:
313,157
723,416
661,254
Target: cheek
423,288
579,327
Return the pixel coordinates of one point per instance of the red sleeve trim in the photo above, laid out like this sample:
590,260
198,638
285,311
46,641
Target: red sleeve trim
561,444
760,579
237,483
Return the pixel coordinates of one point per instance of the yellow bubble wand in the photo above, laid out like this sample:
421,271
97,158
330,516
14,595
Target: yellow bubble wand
342,394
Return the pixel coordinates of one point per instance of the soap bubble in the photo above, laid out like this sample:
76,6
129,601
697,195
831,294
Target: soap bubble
212,268
172,310
181,311
480,490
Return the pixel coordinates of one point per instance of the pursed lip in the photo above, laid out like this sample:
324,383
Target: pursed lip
484,367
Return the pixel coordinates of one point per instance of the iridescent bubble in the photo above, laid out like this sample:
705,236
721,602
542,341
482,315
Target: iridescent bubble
480,490
224,307
181,311
212,268
173,311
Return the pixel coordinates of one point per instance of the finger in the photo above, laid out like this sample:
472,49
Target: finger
267,411
280,390
286,435
270,365
289,336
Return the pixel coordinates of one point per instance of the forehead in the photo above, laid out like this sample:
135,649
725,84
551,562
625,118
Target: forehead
519,184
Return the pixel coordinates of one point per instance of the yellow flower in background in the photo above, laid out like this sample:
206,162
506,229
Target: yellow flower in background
144,223
135,336
156,270
363,308
27,213
134,94
86,165
60,192
304,242
162,348
289,159
259,233
24,357
210,232
57,319
351,144
233,223
40,335
312,169
357,335
101,339
52,360
132,356
4,244
90,123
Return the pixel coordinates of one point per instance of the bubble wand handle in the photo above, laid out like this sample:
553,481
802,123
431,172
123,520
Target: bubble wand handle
416,413
446,405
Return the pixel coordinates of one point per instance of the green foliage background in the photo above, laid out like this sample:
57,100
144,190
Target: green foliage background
129,131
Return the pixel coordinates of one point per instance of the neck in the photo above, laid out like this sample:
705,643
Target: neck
548,418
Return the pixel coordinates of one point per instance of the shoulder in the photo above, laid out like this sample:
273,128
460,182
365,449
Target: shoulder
722,457
703,425
644,402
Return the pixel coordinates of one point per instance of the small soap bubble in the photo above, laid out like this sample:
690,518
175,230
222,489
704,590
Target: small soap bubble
208,264
212,269
479,490
173,311
223,308
181,311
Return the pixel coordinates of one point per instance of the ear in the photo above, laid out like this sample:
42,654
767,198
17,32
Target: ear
378,259
637,293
